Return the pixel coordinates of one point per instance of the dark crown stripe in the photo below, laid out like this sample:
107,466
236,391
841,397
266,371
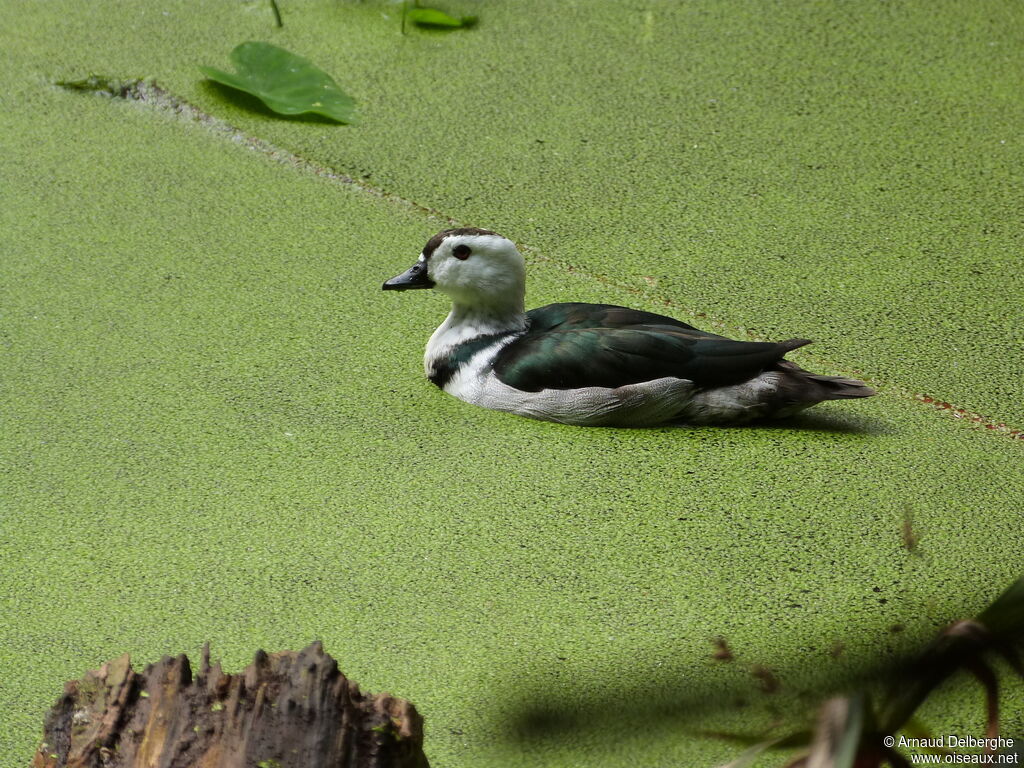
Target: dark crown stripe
435,242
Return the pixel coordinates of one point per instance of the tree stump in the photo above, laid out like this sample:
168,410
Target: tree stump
285,710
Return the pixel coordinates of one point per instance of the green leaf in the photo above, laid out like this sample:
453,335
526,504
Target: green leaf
1005,617
749,757
961,645
286,83
844,753
432,17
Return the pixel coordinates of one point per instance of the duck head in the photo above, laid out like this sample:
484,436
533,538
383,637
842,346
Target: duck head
475,267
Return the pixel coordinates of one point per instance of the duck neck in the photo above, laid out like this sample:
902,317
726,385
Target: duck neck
488,318
471,321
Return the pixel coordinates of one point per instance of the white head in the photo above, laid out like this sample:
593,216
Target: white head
475,267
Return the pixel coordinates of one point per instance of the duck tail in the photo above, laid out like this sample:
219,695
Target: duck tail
789,346
816,387
840,388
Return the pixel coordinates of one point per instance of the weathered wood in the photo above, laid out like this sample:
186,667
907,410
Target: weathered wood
285,710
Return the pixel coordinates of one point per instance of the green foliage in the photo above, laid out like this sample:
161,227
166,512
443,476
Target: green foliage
286,83
277,13
749,757
966,645
841,731
432,18
850,729
1004,619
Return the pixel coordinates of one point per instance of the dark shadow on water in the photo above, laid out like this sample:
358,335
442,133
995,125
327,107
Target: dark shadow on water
612,703
821,422
250,103
825,421
689,707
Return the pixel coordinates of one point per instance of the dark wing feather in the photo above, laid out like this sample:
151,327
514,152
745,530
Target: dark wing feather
571,357
579,315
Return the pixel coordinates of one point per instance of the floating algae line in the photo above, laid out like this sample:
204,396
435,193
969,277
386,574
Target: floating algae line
152,95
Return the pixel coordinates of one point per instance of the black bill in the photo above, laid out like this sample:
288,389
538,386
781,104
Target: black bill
414,277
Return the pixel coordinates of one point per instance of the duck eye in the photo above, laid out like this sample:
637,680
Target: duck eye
461,251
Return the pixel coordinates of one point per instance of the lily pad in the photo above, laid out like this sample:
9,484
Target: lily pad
286,83
432,17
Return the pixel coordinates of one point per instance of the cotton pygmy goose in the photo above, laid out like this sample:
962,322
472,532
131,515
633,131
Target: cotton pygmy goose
593,364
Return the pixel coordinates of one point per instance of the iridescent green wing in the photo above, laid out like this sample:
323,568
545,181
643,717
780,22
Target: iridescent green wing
563,350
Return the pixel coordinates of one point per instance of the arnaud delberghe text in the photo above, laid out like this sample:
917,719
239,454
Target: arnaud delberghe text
956,742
